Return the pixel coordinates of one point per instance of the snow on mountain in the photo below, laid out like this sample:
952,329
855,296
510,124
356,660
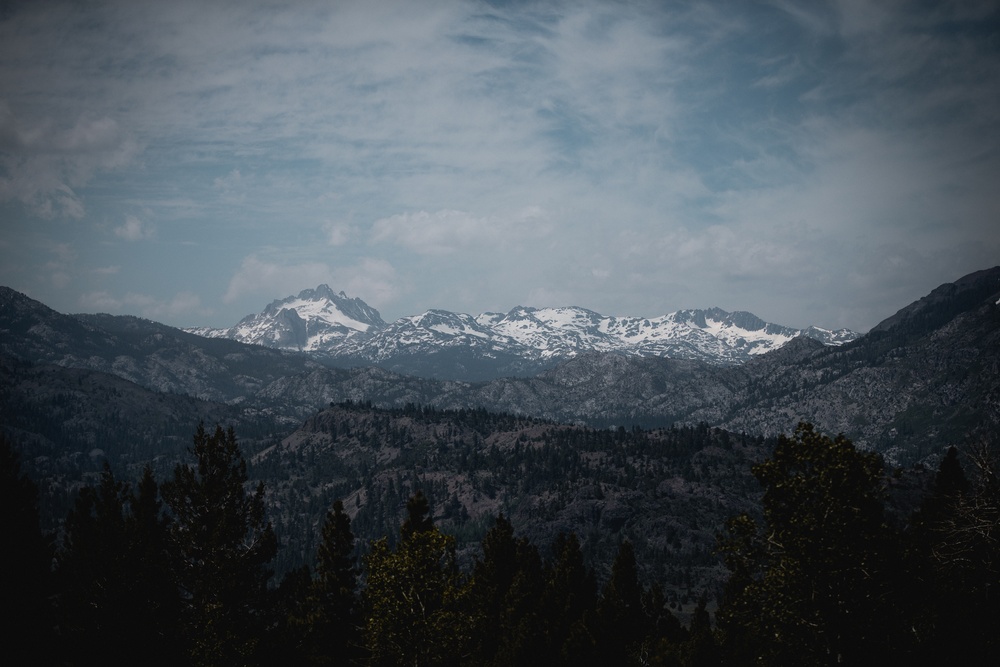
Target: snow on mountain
321,321
315,320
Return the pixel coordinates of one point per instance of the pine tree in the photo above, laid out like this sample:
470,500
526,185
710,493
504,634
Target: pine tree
568,599
335,616
621,622
116,595
222,545
27,629
506,585
416,601
815,583
957,556
418,516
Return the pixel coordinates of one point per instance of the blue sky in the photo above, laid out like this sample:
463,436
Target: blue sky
814,163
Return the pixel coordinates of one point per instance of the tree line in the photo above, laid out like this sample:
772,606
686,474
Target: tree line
180,572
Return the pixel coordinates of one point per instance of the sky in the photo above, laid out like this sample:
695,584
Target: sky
816,163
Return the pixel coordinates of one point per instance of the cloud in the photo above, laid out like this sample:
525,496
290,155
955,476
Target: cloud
45,160
232,187
107,270
134,229
448,231
60,269
180,305
372,279
100,302
270,280
338,233
626,157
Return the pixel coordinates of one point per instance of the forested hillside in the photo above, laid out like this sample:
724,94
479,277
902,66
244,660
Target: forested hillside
667,491
828,571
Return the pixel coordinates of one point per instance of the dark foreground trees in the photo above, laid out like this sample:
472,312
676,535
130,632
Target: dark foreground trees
117,590
221,544
826,579
824,576
813,584
27,554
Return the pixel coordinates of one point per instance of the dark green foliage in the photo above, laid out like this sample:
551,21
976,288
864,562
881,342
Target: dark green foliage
568,600
955,554
665,491
821,576
334,622
506,587
813,585
117,597
415,598
418,516
222,545
24,605
621,623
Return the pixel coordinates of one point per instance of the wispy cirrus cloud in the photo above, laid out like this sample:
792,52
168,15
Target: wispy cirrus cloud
673,154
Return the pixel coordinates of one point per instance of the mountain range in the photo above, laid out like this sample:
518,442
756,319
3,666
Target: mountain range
925,377
558,450
447,345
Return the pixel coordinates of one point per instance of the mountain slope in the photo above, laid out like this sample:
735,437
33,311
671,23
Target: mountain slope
927,377
913,387
150,354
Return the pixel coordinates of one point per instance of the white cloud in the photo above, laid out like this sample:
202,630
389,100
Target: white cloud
232,187
448,231
338,233
372,279
672,151
270,280
100,302
45,160
134,229
180,305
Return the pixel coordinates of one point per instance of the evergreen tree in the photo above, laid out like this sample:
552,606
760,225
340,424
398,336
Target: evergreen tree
815,584
568,599
335,616
663,645
27,634
116,594
621,621
956,554
506,586
416,601
222,545
418,516
702,649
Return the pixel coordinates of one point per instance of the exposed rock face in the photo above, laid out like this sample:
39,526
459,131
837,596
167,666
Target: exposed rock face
524,341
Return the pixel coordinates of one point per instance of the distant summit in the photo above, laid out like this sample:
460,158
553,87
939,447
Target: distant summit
315,320
440,343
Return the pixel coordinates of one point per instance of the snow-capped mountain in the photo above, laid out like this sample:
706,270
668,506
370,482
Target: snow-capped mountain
345,328
315,320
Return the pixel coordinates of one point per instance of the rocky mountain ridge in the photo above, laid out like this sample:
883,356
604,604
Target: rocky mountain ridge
448,345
